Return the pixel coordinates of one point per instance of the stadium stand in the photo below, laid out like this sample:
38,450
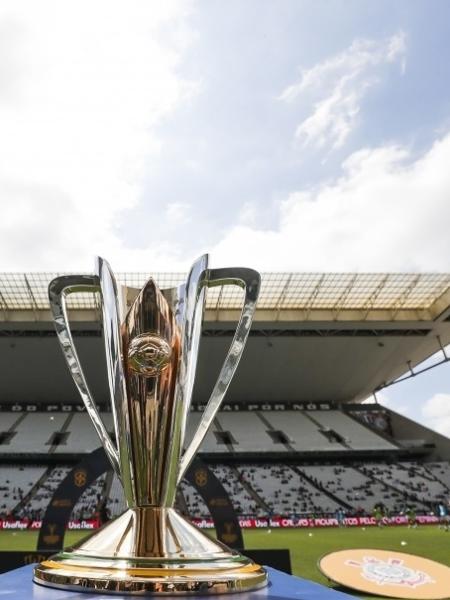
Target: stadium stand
293,437
251,432
193,502
411,479
284,490
352,486
243,501
441,471
16,483
34,506
248,432
303,434
355,435
210,443
34,434
266,460
89,502
81,434
116,499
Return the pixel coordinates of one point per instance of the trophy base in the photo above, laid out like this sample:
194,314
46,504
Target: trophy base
151,551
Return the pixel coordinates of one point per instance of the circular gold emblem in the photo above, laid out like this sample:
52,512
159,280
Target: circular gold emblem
79,478
148,355
201,477
387,573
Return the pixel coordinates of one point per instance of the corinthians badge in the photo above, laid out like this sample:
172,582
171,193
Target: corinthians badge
391,571
387,573
151,343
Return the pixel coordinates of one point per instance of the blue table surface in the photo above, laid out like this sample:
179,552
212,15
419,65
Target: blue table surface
19,584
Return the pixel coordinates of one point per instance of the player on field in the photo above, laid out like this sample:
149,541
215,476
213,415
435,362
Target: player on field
443,516
378,515
412,520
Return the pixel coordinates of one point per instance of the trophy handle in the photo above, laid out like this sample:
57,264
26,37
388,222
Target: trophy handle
250,281
58,290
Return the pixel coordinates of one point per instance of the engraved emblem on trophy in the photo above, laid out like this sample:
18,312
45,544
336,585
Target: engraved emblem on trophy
151,346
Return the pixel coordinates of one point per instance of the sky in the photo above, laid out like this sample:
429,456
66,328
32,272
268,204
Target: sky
281,135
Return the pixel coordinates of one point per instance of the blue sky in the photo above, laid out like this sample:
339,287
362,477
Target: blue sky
424,398
284,135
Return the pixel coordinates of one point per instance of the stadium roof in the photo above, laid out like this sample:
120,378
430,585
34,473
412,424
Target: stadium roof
315,337
306,292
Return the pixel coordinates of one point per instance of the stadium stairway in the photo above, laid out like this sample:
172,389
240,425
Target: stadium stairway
246,485
270,427
65,426
434,477
321,489
14,426
218,427
33,491
321,428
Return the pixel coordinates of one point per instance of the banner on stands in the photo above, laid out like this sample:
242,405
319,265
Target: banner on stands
245,523
288,522
22,524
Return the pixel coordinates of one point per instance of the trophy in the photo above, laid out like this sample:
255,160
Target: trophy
152,341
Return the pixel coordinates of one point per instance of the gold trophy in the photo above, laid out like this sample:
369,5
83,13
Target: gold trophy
152,342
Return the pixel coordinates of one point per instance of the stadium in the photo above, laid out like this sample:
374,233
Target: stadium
301,449
272,418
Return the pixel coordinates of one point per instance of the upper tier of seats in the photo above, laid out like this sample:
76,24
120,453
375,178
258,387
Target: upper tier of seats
82,436
242,432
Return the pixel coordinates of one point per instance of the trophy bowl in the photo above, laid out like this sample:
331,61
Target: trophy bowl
152,340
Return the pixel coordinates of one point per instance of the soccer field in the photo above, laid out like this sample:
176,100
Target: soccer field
306,546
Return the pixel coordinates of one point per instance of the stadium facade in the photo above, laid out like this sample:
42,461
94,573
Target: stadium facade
293,418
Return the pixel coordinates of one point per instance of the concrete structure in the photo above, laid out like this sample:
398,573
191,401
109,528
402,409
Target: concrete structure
316,337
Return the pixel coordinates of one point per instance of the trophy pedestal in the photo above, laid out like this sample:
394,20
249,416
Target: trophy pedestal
151,550
18,584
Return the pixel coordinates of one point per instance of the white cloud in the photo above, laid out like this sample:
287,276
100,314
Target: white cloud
82,87
337,86
80,102
386,212
178,213
334,117
248,214
436,412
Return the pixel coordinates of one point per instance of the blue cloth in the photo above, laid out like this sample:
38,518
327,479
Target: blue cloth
18,584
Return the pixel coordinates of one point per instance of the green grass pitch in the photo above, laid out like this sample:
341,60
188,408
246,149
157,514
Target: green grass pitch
306,545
